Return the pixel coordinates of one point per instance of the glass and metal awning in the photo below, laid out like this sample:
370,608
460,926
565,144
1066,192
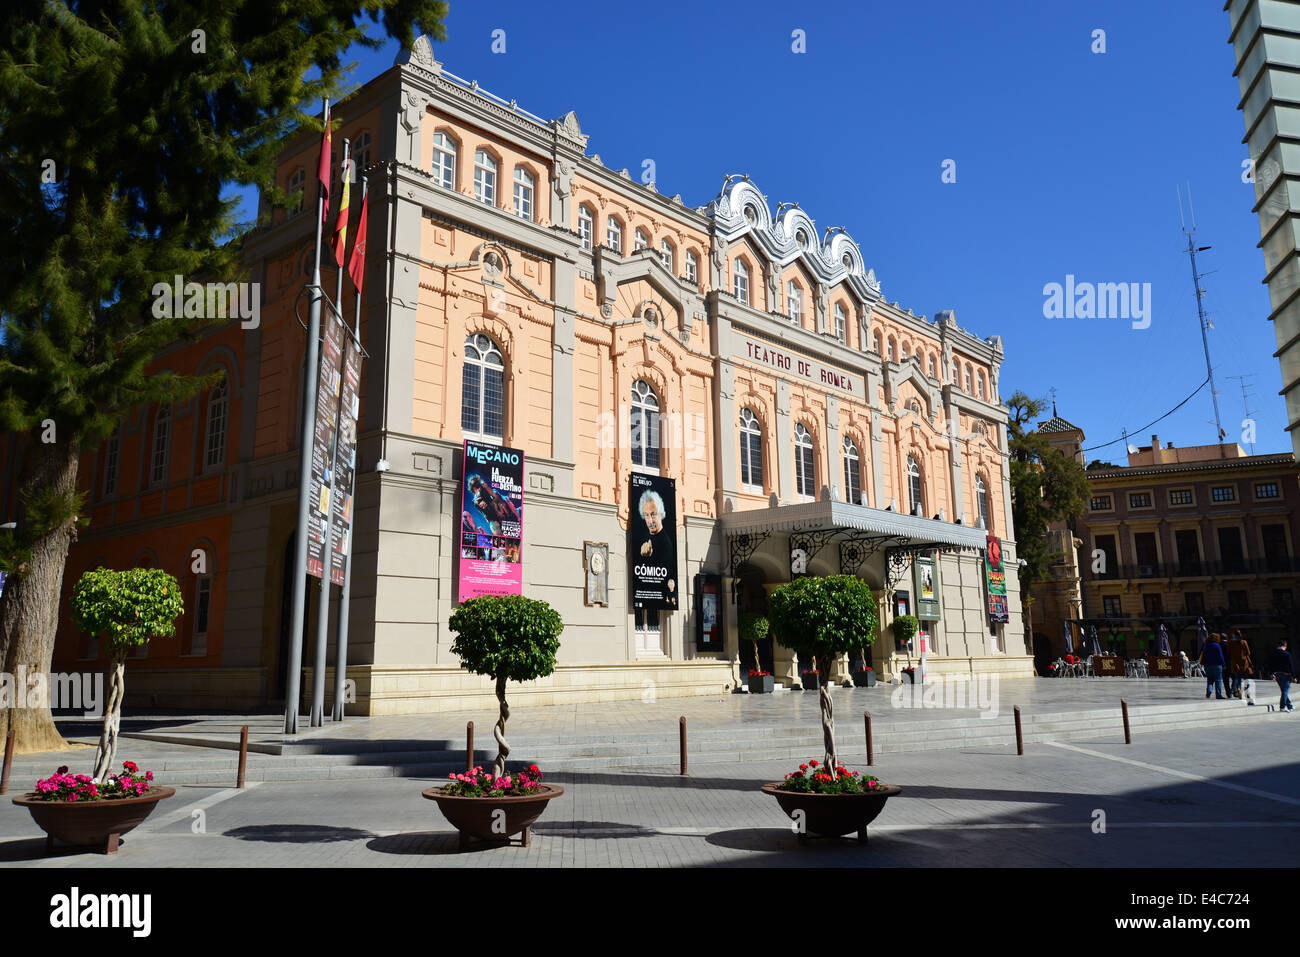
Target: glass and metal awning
830,516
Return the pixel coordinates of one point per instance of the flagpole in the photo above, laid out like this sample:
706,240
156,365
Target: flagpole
341,640
299,568
323,617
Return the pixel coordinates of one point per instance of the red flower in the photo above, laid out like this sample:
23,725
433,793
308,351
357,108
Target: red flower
803,767
131,766
813,763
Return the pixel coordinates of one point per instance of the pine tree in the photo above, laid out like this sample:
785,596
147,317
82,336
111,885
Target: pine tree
122,122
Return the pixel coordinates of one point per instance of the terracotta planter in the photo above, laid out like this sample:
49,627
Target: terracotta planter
834,815
473,817
761,685
91,823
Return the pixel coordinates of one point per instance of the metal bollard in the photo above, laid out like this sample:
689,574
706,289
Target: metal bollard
243,756
469,746
682,723
871,747
1123,707
9,760
1020,737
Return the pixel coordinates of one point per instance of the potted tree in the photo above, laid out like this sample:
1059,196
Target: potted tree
507,638
131,607
820,619
905,628
754,628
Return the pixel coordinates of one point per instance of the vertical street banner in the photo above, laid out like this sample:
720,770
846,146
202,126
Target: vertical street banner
491,521
652,542
927,592
322,446
345,459
996,578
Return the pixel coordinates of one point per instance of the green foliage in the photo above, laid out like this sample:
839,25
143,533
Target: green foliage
754,626
823,616
905,627
120,137
1097,464
509,637
131,606
1046,486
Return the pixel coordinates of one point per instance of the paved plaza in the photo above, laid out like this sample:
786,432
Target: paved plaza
1162,800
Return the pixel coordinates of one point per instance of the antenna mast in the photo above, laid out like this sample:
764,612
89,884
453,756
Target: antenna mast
1245,404
1192,250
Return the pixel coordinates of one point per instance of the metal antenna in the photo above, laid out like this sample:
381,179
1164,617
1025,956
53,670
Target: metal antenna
1192,250
1245,403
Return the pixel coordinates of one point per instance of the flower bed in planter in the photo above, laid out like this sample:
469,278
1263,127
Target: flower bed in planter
811,680
831,805
866,678
479,805
77,810
761,682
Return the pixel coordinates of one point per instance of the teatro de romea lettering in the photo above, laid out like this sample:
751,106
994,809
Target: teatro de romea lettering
521,293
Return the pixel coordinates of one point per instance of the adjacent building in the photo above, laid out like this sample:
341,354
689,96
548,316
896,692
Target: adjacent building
521,294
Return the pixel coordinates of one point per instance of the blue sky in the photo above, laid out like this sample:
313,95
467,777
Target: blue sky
1066,163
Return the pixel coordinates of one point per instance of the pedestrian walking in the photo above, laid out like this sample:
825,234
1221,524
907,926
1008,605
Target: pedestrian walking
1279,662
1213,660
1240,662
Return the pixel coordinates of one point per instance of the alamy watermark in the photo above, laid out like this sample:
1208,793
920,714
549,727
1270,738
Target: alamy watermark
667,430
950,691
213,300
1103,300
56,691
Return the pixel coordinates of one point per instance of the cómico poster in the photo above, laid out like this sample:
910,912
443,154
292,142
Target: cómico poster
652,542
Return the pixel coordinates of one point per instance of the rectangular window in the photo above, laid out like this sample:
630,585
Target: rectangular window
111,456
1111,606
1109,556
1188,547
585,230
1152,604
649,632
1139,500
1195,602
1238,601
1283,599
1099,503
1180,496
1277,556
804,474
692,268
198,638
751,461
1144,548
1266,490
1230,551
1224,493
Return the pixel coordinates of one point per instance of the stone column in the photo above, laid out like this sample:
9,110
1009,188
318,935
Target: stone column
784,443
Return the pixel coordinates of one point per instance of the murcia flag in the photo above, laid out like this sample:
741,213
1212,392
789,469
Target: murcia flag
323,167
357,264
341,224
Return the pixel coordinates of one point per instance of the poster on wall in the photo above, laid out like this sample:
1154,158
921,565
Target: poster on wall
345,460
652,542
322,445
996,578
927,591
491,521
708,593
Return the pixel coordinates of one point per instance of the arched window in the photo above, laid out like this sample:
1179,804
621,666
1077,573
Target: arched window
444,161
194,641
841,323
162,433
905,352
805,476
916,503
112,456
751,452
740,281
482,396
932,367
692,267
970,380
981,383
852,472
956,373
794,302
214,435
640,240
485,177
361,151
586,226
614,234
666,254
893,350
295,191
644,432
982,503
875,340
524,183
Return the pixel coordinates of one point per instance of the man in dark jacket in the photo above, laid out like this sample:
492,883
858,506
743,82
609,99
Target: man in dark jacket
1213,659
1279,662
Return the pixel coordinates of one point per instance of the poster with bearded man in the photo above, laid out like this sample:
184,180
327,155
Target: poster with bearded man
652,542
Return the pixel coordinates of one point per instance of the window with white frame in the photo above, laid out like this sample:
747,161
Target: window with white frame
956,373
644,427
640,241
805,476
112,458
524,183
875,341
982,502
692,267
196,642
893,350
905,353
794,302
295,191
970,386
932,368
852,472
162,431
666,254
482,396
485,177
361,152
444,161
614,234
981,384
214,436
740,281
751,452
841,323
916,502
586,226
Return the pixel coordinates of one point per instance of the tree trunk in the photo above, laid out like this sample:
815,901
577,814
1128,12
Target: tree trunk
29,606
499,732
828,714
112,716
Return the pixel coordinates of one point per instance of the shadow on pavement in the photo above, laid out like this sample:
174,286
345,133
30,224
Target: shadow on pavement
416,842
297,833
594,830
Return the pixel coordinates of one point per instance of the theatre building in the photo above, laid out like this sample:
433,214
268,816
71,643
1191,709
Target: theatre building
708,401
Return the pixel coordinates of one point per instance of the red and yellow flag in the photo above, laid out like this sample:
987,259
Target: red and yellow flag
323,167
341,224
357,264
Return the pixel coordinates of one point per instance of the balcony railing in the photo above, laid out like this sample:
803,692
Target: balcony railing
1282,564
